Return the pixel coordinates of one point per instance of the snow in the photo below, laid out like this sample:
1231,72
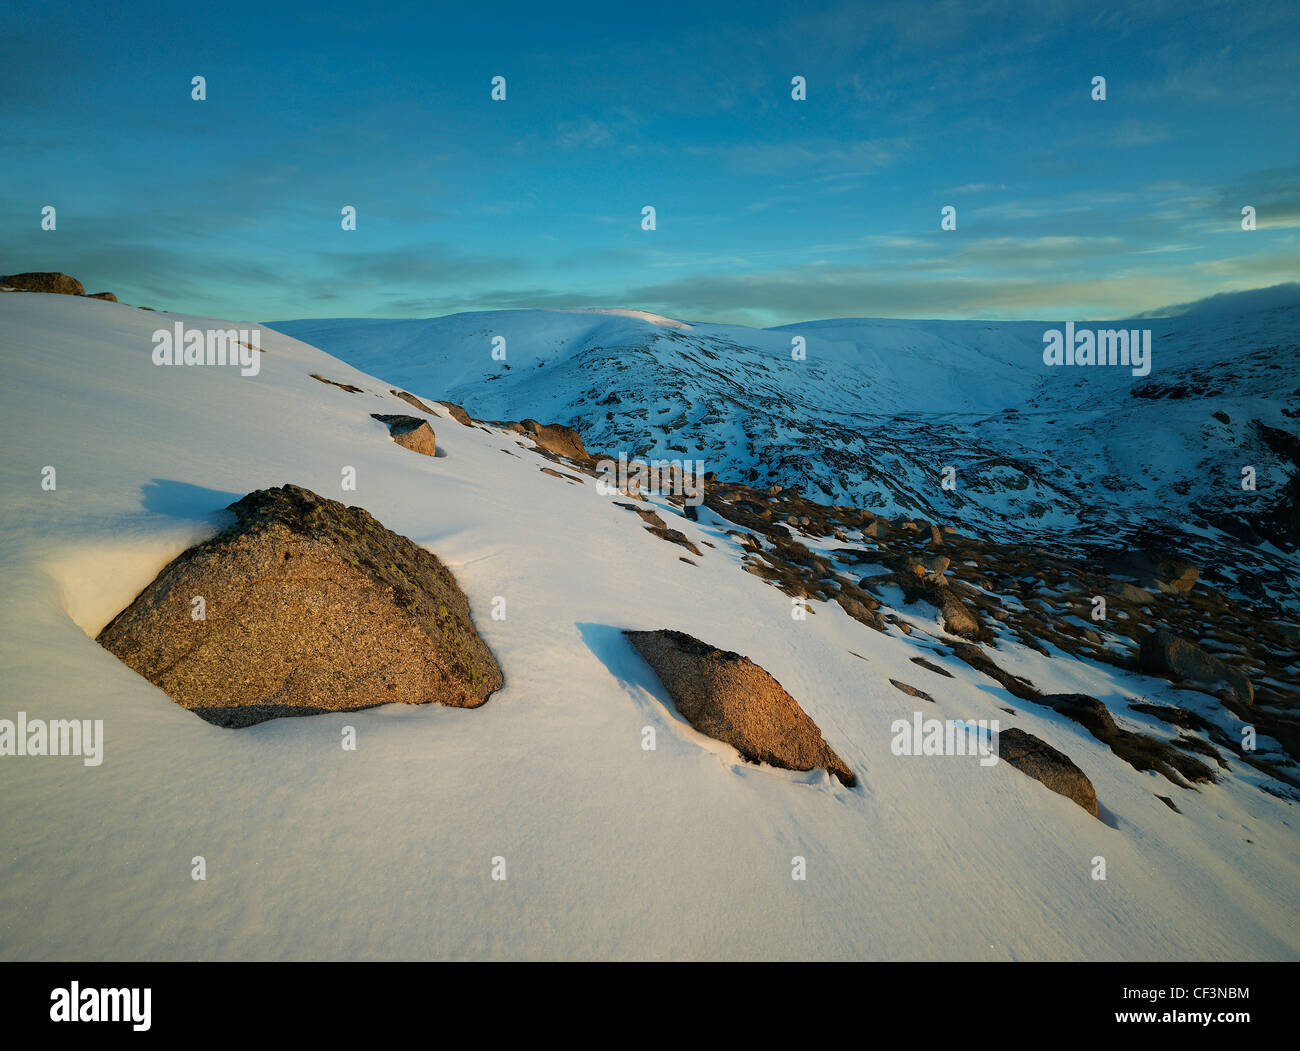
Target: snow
313,852
879,409
641,315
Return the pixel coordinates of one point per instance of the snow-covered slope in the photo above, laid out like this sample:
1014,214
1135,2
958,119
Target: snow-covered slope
879,408
611,850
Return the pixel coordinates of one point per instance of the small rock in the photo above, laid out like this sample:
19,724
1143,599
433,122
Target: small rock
911,691
410,433
1130,593
556,438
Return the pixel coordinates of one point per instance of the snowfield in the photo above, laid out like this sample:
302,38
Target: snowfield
611,851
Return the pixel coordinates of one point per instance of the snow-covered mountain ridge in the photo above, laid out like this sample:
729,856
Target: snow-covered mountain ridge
878,409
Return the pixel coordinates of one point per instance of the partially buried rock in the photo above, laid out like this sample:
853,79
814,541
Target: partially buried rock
309,607
958,617
1042,762
45,281
411,400
1158,571
457,413
732,699
911,691
410,432
1132,593
557,439
1163,653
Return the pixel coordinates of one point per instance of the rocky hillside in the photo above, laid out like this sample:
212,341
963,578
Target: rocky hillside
1070,457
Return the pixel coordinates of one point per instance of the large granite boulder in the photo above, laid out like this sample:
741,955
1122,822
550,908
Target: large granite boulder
310,606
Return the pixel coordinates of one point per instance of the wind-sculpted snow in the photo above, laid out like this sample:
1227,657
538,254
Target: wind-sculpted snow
879,408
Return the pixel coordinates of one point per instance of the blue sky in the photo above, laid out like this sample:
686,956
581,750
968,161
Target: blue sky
769,210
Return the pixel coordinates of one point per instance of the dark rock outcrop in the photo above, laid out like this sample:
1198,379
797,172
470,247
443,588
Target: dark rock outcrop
1016,685
958,617
730,698
310,606
859,611
1163,653
1156,570
1140,751
1039,760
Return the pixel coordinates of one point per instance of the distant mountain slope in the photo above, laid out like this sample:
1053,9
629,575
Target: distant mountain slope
880,407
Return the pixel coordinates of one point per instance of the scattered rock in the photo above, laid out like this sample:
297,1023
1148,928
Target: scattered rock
674,536
457,413
1130,593
310,607
929,666
1163,653
911,691
410,433
730,698
1042,762
45,281
341,386
413,401
556,438
1138,750
108,297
